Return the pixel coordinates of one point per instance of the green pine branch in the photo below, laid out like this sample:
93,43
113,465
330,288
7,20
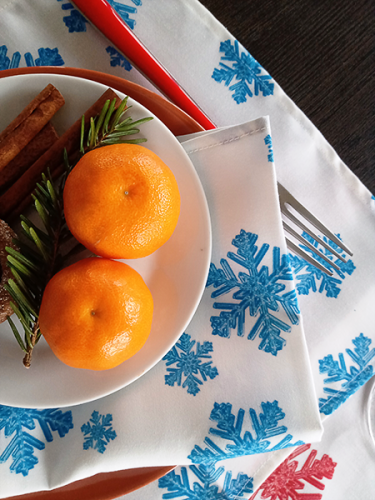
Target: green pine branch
39,255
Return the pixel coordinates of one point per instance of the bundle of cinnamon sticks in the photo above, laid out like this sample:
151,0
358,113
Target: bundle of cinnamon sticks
30,145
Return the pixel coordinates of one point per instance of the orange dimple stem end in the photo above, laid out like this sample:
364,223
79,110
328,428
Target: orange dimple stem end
96,313
122,201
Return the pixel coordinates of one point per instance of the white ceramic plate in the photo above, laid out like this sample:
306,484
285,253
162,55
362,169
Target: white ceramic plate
176,273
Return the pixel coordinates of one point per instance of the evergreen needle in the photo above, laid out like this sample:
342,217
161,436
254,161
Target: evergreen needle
39,244
92,133
52,193
81,147
16,334
101,117
24,323
20,298
127,141
27,225
20,267
108,116
119,134
22,258
21,283
118,113
40,208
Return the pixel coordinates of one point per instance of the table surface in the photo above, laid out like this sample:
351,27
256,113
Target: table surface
321,53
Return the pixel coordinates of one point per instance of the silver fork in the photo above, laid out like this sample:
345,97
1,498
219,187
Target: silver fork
285,199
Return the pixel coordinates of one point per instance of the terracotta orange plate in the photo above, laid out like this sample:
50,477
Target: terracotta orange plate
104,486
178,122
110,485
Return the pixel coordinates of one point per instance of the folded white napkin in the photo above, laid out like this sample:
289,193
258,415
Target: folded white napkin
238,382
339,466
232,87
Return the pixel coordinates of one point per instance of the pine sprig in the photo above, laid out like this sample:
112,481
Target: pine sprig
34,263
39,255
110,127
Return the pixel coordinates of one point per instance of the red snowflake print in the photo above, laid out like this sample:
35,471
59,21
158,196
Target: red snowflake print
284,482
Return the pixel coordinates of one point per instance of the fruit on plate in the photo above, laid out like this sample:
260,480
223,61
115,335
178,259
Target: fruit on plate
121,201
96,313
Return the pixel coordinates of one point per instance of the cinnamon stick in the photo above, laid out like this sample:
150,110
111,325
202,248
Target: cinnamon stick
29,154
29,123
18,196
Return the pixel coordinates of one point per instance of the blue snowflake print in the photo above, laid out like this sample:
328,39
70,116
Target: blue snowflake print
310,279
229,428
189,364
124,11
76,22
373,197
258,290
47,57
118,59
268,142
352,379
21,447
5,62
178,485
98,432
245,70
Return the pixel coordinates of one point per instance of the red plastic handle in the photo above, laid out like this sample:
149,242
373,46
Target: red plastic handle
106,20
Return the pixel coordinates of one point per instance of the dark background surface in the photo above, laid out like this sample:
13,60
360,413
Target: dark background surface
321,53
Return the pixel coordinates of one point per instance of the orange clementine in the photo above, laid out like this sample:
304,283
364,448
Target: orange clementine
121,201
96,313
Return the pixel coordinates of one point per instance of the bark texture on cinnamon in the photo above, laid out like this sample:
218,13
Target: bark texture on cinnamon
29,123
29,154
18,197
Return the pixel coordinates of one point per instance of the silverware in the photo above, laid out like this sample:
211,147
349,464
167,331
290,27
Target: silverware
285,200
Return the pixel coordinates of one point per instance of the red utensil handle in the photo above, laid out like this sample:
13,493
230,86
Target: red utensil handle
106,19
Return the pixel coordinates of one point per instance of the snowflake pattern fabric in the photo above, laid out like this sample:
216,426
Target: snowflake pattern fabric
310,279
245,70
6,62
98,432
229,428
352,379
47,57
257,290
189,364
178,486
287,481
118,59
75,21
16,423
125,11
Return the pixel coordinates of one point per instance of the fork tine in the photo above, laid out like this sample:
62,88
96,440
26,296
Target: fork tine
297,250
316,237
304,254
286,197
